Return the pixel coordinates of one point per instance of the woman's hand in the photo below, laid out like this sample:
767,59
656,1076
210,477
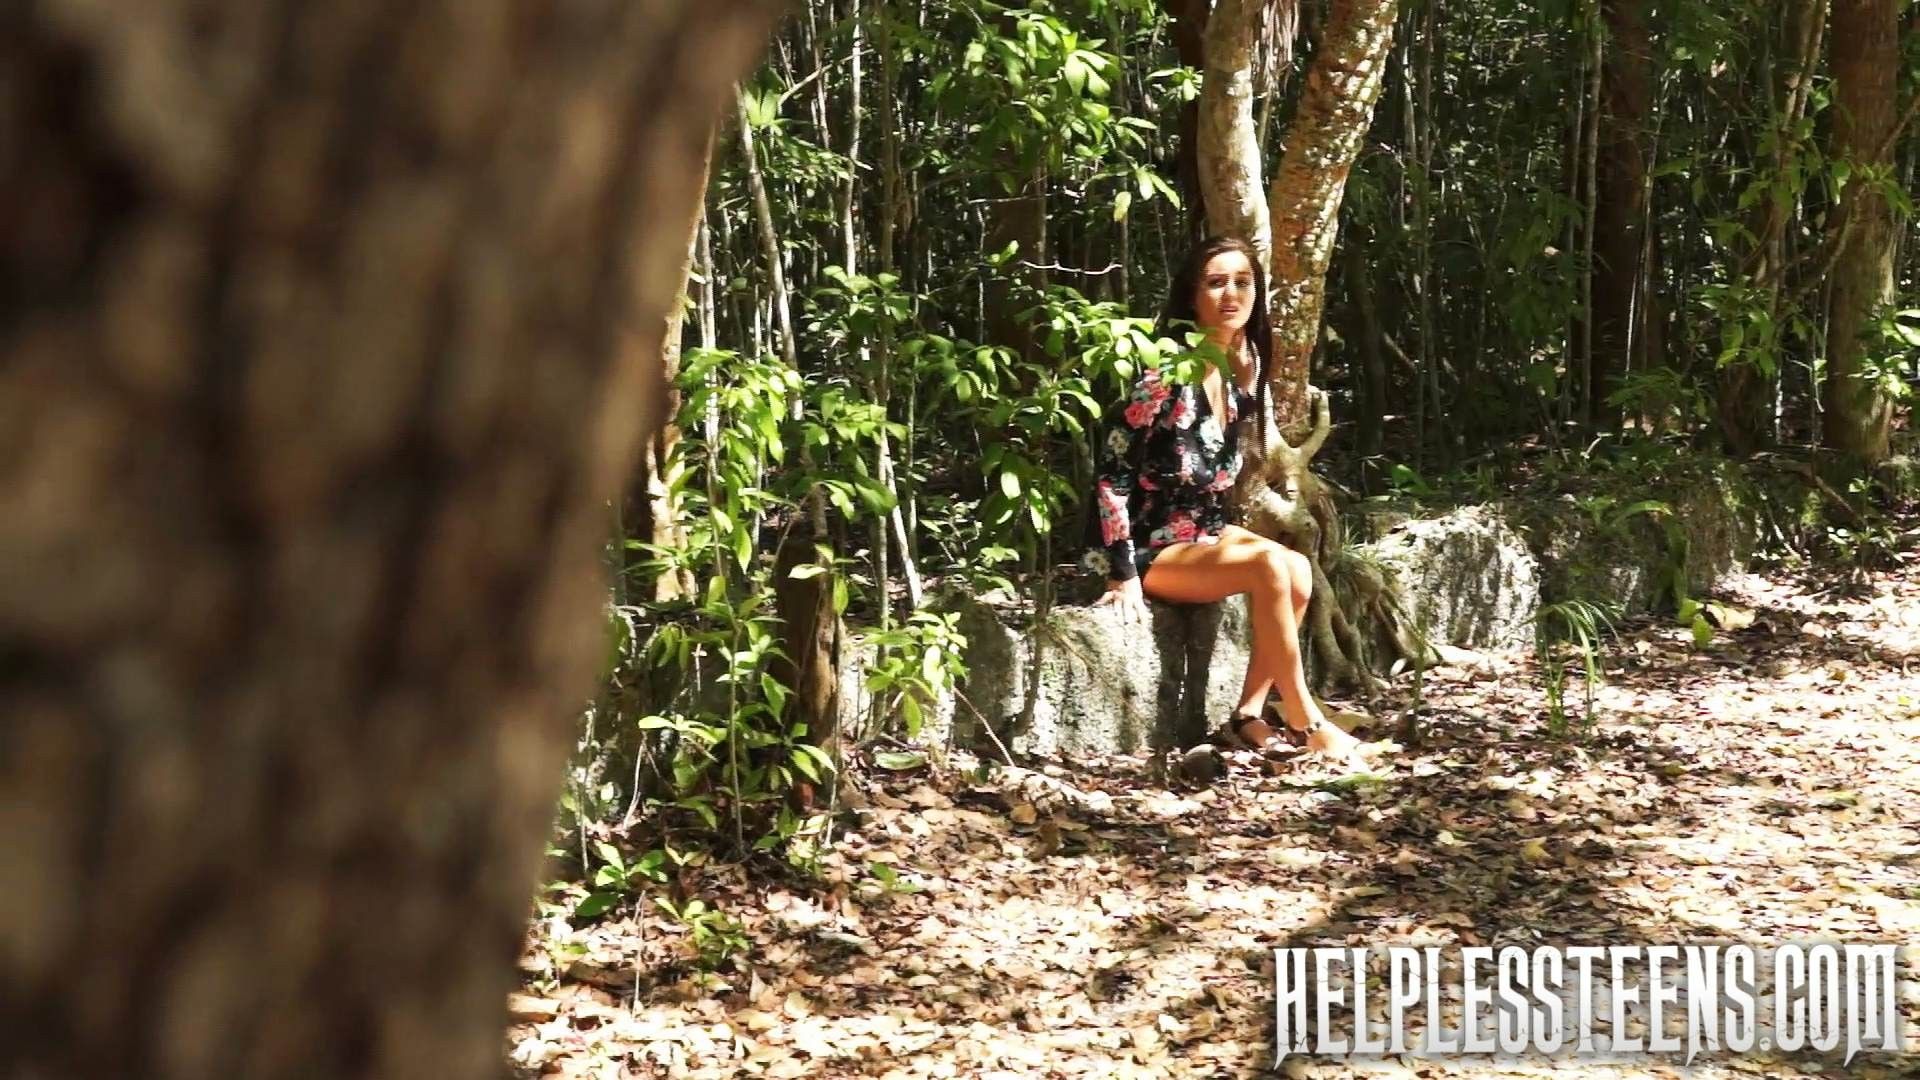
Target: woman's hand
1126,597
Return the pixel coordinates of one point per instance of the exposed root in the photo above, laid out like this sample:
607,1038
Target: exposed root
1356,626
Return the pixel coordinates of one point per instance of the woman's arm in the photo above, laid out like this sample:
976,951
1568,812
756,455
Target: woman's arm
1122,451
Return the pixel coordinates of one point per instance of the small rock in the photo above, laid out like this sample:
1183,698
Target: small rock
1201,765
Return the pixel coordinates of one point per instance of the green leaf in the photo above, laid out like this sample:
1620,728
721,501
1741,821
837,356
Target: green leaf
704,808
761,110
1644,506
1075,72
595,904
900,760
806,571
837,495
878,499
775,692
804,753
1121,203
743,548
1010,484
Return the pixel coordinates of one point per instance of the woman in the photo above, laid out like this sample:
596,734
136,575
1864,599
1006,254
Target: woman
1168,463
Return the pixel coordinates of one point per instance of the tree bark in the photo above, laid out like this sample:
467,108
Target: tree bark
1019,219
1743,405
1866,65
1188,21
1277,494
1370,371
770,247
850,194
891,205
1336,107
811,642
654,510
327,331
1620,203
1228,163
1590,213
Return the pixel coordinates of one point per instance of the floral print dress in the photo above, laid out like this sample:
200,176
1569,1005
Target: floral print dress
1166,465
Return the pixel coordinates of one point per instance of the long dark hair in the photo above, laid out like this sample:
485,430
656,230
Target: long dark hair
1259,328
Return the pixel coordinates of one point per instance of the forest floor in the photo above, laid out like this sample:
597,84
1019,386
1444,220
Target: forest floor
1763,789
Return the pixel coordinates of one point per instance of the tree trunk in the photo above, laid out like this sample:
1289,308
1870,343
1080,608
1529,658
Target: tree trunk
1429,416
1336,107
1229,147
811,633
1866,65
810,641
850,194
1020,219
1277,494
891,202
1189,27
770,248
1744,403
654,512
1370,371
329,332
1590,204
1620,203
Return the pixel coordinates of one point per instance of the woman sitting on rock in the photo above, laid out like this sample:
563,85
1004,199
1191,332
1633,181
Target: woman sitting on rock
1168,463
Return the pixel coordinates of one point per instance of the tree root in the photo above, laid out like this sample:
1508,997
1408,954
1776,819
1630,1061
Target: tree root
1356,626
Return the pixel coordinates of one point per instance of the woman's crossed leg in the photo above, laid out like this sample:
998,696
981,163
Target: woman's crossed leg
1279,584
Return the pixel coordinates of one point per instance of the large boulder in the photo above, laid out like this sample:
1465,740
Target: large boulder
1468,578
1100,686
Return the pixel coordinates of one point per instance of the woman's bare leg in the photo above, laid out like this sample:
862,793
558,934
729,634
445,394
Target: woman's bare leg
1265,661
1204,573
1243,562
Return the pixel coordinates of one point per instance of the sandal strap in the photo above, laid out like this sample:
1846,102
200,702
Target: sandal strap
1297,736
1274,744
1237,722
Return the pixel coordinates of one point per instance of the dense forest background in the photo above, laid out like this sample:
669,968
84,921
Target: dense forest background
935,237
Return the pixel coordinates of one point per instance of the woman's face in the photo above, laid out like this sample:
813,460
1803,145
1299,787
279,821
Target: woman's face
1225,298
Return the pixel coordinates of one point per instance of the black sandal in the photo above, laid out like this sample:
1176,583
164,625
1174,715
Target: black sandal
1275,748
1297,737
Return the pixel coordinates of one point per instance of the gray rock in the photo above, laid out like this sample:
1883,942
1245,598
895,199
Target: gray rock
1103,687
1469,578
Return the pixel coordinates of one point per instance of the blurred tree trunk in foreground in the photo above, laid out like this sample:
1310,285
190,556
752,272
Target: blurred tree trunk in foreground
326,333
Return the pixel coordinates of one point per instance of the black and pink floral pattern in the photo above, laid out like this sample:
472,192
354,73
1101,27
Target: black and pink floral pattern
1166,465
